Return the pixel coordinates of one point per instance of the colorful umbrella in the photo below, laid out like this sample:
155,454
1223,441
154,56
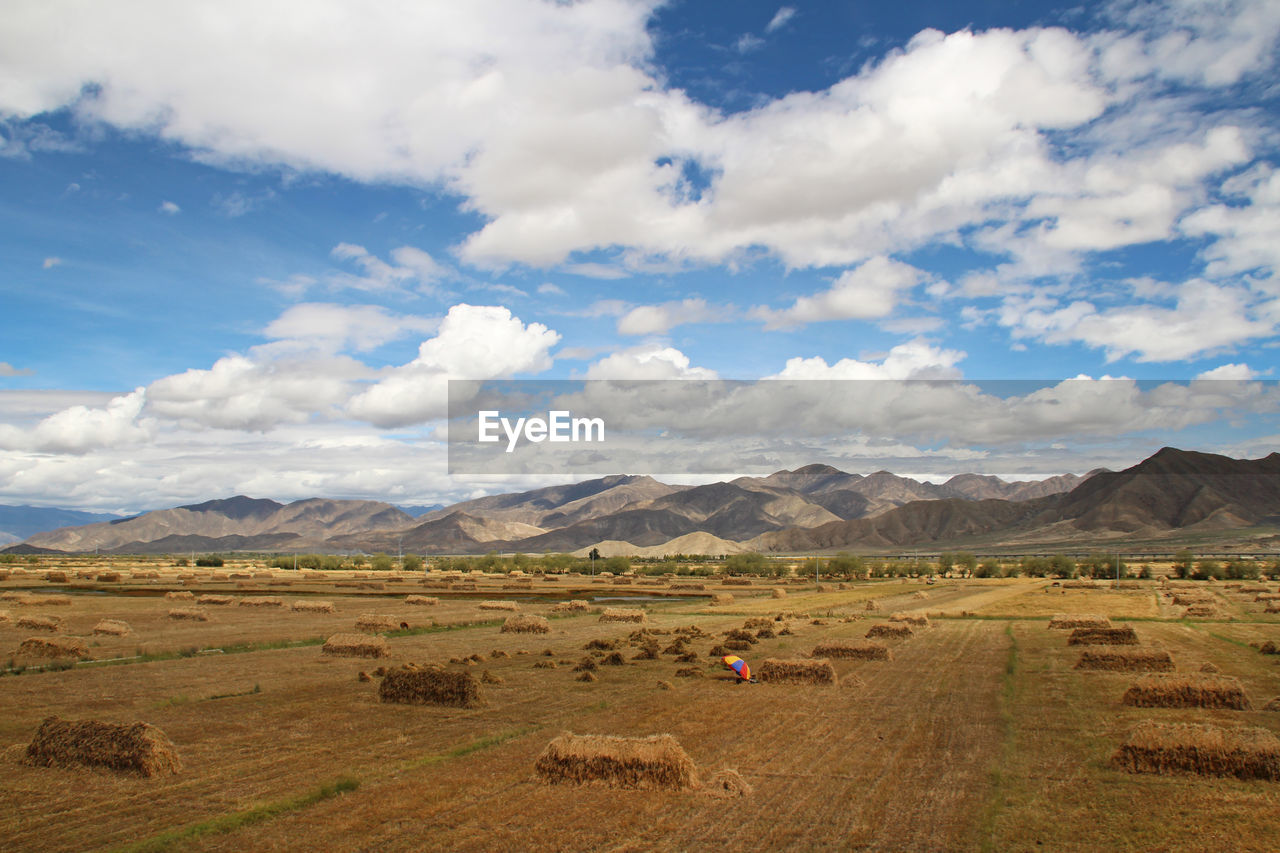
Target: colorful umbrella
738,665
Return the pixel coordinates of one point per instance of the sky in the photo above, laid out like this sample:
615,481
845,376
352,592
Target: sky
244,246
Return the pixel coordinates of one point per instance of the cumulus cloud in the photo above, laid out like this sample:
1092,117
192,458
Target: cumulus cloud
1234,372
648,362
169,207
336,327
871,290
80,429
915,359
657,319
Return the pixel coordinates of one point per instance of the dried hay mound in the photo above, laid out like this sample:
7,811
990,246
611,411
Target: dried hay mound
718,651
920,594
1209,667
356,646
1079,585
545,664
796,671
180,595
5,618
44,600
778,593
889,629
261,601
1183,599
588,677
192,614
624,614
375,623
57,648
113,628
1208,750
690,672
854,650
1187,690
722,598
688,587
488,677
1272,607
526,624
666,685
241,576
40,623
1273,705
678,647
603,645
499,605
1201,611
55,577
108,577
124,747
737,634
587,664
871,605
574,606
766,634
1126,660
1269,648
736,645
727,784
920,620
1125,636
1079,620
312,606
430,685
219,600
757,623
1267,596
613,659
736,581
655,762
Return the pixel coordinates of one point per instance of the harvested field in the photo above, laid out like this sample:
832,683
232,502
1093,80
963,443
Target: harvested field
624,614
421,600
1072,621
657,761
430,685
852,650
1125,636
375,623
1126,660
920,620
40,623
261,601
795,671
526,624
357,646
54,647
312,607
889,629
499,605
1187,690
1201,748
191,614
727,784
112,627
136,748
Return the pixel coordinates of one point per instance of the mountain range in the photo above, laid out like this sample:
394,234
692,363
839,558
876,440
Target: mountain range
815,508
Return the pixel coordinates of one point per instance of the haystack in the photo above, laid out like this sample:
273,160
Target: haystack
1183,599
523,623
778,593
796,671
887,629
112,627
374,623
728,784
1126,660
588,677
852,650
55,577
1187,690
430,685
180,595
124,747
574,606
1125,636
736,581
1246,753
219,600
1079,620
657,761
312,606
722,598
499,605
356,646
108,577
40,623
1201,611
624,614
193,614
421,600
55,600
262,601
54,647
918,619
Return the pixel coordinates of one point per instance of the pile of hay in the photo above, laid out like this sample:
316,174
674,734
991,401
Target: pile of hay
1183,599
59,647
736,581
125,747
613,659
40,623
795,671
112,627
1200,611
1267,596
1126,660
1079,585
1245,753
430,685
545,664
373,623
623,614
778,593
602,645
5,618
1079,620
690,587
526,624
55,577
657,762
193,614
261,601
728,784
918,619
574,606
215,599
499,605
180,595
741,636
889,629
854,650
1187,690
421,600
1125,636
312,606
722,598
108,577
48,600
356,646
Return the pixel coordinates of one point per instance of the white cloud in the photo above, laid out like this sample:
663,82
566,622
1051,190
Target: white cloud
51,262
337,327
1233,372
1244,233
871,290
236,204
651,361
657,319
80,429
169,207
915,359
780,19
7,369
549,289
409,267
747,43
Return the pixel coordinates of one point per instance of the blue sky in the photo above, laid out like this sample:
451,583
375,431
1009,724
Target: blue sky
243,246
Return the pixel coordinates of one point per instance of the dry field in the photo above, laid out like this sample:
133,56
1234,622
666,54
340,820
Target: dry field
976,733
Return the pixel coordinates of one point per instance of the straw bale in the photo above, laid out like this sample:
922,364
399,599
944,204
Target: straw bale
218,600
180,595
889,629
193,614
1079,620
54,647
499,605
736,581
624,614
488,677
261,601
356,646
688,587
690,672
112,627
430,685
1126,660
737,634
1267,596
364,676
722,598
312,606
603,645
655,762
871,605
1201,748
613,659
373,623
1272,607
588,676
421,600
1079,585
587,663
124,747
5,618
55,577
736,645
574,606
918,619
40,623
1201,611
56,600
523,623
1209,666
727,784
1187,690
796,671
1183,599
108,577
1125,636
854,650
778,593
1273,705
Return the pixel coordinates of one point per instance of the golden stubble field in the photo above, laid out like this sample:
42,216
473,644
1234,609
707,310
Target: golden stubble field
977,734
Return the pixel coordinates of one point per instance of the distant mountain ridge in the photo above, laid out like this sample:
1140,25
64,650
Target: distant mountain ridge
19,522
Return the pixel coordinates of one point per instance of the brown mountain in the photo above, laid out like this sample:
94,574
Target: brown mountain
976,487
560,506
